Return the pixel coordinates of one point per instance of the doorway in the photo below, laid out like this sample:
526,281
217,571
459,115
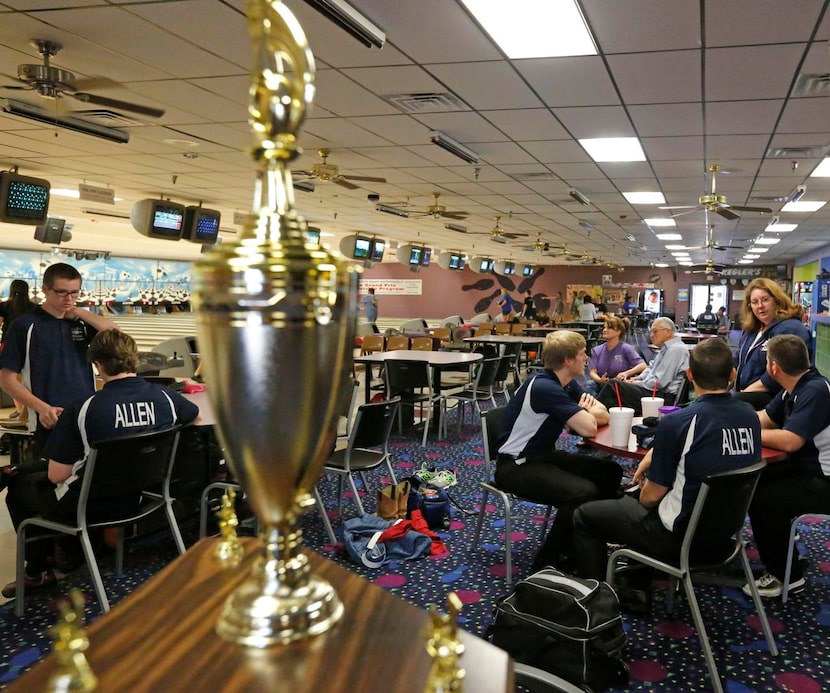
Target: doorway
702,294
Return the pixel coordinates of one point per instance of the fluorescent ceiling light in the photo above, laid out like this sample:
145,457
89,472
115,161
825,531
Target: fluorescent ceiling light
351,21
758,249
676,247
661,264
822,170
781,228
533,29
602,149
749,256
66,192
453,147
767,240
803,206
686,263
745,262
681,254
669,236
660,222
645,198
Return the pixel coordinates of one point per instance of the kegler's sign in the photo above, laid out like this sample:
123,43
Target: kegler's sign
771,271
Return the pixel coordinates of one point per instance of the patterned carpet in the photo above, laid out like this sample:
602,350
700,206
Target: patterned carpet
663,651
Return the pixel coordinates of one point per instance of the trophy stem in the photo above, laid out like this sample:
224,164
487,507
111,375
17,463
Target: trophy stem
280,601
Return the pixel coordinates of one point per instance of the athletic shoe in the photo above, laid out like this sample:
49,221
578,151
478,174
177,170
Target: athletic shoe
770,586
45,579
443,479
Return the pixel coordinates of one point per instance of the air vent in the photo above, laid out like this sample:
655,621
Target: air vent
812,85
106,117
768,198
425,102
816,151
534,175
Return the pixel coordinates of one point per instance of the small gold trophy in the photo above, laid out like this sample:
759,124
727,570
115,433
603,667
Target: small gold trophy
445,648
229,549
276,317
71,642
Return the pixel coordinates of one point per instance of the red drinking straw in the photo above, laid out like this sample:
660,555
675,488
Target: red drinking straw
654,392
617,390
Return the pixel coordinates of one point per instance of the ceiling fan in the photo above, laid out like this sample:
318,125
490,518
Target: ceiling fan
710,242
329,173
498,234
717,203
709,268
54,83
435,210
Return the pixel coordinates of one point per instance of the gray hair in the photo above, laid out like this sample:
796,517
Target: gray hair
666,323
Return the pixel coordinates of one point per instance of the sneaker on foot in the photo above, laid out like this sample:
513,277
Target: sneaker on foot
770,586
44,579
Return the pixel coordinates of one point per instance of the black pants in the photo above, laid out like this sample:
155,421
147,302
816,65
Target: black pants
781,496
619,521
630,394
563,480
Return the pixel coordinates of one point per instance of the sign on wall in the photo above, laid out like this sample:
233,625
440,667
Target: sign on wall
396,287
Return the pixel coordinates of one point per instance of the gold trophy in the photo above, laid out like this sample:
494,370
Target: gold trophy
276,319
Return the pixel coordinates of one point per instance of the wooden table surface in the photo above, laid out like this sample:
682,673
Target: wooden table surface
162,638
602,441
504,339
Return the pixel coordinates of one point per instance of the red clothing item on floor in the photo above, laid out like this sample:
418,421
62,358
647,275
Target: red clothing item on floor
419,524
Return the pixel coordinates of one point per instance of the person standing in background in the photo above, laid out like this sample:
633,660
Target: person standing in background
370,305
529,309
629,307
587,310
723,320
558,307
47,349
18,304
506,305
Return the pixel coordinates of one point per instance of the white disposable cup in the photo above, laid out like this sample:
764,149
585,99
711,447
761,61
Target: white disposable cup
621,420
651,406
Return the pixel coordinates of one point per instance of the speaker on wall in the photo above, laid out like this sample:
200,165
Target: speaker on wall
51,231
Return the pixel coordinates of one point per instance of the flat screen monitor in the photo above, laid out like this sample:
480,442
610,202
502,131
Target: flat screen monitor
416,253
312,234
651,301
51,231
378,248
158,219
527,271
201,225
426,256
362,246
486,265
510,268
23,200
462,262
454,261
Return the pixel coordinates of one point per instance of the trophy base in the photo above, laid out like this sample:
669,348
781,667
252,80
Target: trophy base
254,619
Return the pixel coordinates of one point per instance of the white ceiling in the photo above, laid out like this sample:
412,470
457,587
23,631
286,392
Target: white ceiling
697,82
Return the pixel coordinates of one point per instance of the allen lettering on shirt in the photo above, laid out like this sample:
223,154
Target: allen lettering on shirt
738,441
130,414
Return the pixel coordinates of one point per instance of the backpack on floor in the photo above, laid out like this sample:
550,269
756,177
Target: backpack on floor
564,625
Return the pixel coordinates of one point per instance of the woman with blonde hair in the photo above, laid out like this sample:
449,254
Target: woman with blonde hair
765,312
615,357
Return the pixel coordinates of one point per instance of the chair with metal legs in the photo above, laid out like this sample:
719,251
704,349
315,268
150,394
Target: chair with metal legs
718,514
791,549
491,424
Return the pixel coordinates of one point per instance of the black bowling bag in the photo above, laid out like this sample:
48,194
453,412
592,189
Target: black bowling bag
564,625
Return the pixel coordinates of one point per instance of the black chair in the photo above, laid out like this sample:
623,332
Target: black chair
136,466
411,383
717,518
683,392
491,424
479,389
368,448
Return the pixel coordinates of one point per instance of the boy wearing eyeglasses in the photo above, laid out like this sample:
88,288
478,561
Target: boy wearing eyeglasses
47,348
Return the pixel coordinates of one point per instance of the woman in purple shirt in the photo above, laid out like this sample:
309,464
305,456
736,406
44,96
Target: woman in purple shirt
615,356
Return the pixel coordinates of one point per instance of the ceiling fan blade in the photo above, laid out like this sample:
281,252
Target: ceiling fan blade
343,183
455,215
741,208
514,236
93,84
303,174
148,111
727,213
367,179
16,87
727,247
680,214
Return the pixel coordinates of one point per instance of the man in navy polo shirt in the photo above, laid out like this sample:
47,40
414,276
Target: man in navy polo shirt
715,433
797,420
47,349
126,405
529,464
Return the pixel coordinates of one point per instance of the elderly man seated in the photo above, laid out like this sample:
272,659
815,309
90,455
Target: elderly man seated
126,405
797,420
664,375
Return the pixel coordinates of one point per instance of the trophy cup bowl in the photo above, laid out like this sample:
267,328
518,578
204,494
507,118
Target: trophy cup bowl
276,318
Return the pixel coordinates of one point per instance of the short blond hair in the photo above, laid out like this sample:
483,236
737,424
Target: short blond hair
559,346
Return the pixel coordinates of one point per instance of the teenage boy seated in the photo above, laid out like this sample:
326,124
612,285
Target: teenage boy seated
715,433
797,420
126,405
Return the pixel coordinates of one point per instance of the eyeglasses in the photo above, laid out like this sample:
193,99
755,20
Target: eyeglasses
761,301
657,329
63,293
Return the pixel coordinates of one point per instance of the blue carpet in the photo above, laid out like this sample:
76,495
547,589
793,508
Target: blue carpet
663,651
